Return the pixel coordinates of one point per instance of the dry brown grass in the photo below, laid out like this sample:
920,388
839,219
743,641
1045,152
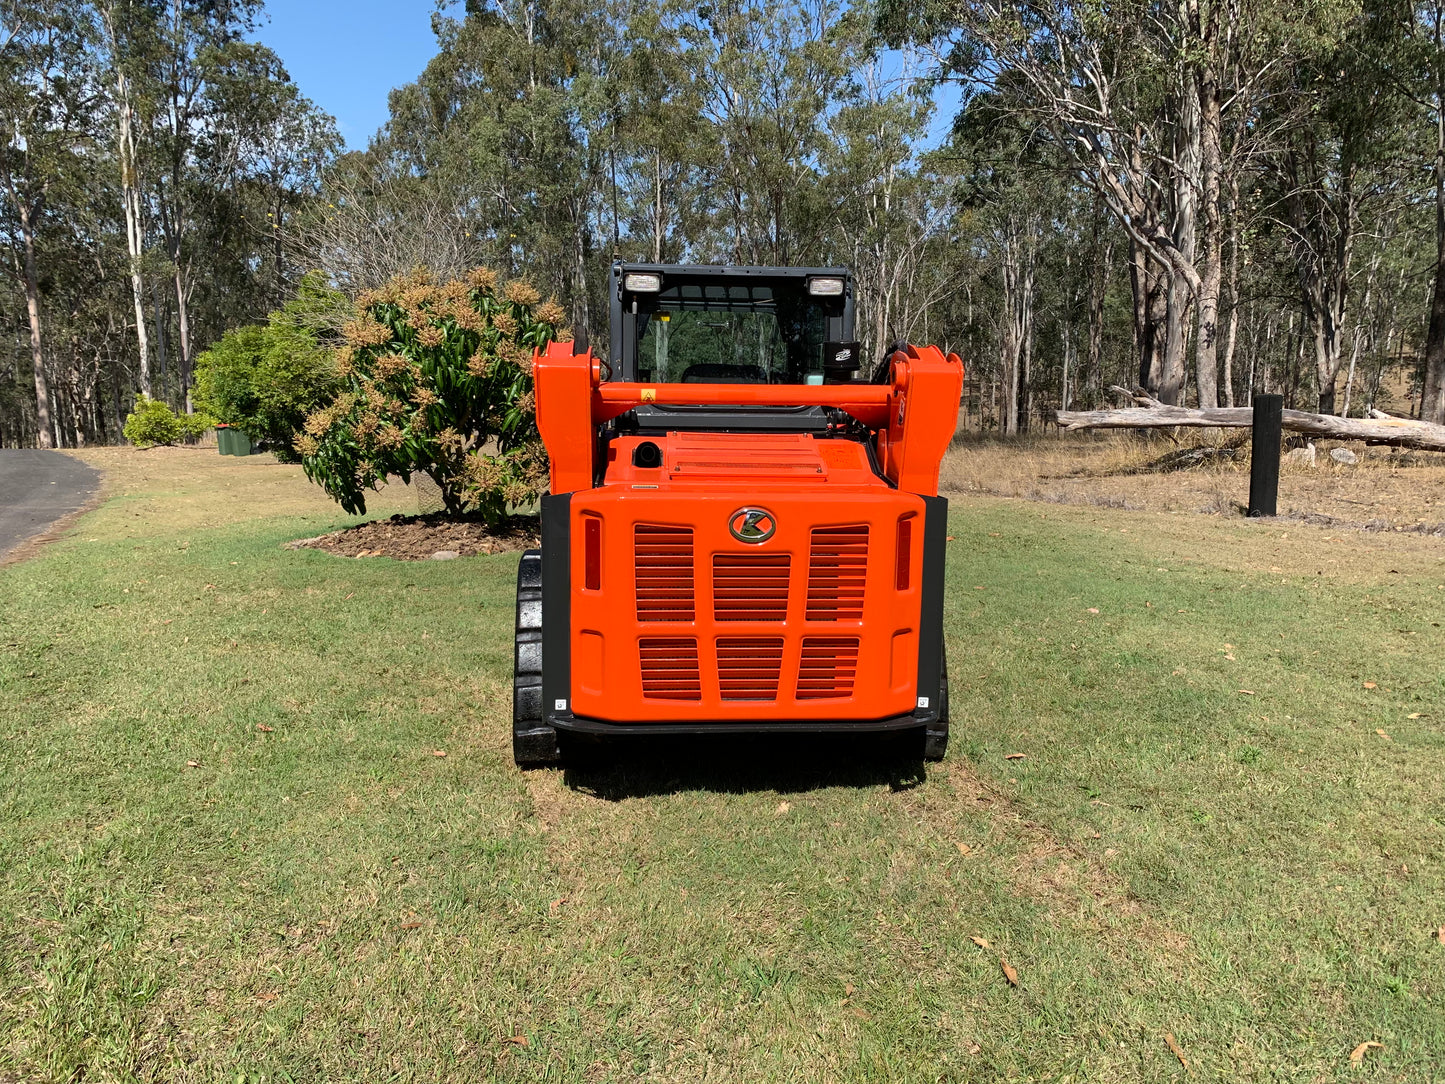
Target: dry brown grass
1386,490
191,479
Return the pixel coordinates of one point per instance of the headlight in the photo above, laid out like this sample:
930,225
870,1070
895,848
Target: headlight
640,282
825,286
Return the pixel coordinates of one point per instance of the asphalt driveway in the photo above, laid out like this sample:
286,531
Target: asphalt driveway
36,489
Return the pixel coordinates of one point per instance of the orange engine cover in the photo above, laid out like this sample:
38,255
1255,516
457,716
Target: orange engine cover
744,577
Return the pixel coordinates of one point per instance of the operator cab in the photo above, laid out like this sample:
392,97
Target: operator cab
677,324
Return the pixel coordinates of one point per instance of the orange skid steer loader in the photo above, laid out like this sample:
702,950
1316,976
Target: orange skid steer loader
740,536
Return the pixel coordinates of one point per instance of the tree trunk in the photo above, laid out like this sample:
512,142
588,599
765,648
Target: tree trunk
657,205
44,436
130,202
183,324
1090,377
1148,281
1186,180
1432,400
1377,429
1211,157
581,314
1232,336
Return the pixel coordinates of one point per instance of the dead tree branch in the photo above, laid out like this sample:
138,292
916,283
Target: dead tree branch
1149,413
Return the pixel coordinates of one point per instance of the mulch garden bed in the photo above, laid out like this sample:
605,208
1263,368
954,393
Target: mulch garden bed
437,536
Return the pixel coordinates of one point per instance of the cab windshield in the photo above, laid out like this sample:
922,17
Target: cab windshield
732,334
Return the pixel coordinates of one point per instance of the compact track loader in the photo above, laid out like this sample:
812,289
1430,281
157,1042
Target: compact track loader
740,534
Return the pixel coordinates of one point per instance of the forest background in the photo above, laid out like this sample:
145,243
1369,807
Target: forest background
1203,197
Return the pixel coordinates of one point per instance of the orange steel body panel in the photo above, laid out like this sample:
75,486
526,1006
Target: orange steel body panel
674,617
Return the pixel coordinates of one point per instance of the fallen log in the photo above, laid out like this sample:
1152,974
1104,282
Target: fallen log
1149,413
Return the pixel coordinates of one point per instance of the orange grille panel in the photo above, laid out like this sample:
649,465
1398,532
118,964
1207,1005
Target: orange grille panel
669,668
748,668
750,586
837,570
663,560
828,667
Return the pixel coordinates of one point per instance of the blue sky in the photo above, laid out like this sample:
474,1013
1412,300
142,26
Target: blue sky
346,55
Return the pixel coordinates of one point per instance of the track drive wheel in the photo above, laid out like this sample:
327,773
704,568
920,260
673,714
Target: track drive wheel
534,743
935,738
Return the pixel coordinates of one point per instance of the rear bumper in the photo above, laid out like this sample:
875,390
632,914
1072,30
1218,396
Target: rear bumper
599,727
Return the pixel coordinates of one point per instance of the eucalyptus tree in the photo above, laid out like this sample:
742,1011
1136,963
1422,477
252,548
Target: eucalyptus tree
1423,82
186,43
1136,96
47,107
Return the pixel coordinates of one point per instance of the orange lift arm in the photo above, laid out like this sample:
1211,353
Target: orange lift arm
914,415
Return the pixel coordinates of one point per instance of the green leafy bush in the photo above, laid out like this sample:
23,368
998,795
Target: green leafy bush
194,426
437,379
265,378
152,422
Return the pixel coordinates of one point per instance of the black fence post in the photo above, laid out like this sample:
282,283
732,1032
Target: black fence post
1264,455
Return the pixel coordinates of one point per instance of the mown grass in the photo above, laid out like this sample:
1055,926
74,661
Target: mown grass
1258,875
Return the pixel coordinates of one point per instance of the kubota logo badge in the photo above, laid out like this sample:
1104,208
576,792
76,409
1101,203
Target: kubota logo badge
752,525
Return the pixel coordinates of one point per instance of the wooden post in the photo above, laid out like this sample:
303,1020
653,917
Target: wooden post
1264,455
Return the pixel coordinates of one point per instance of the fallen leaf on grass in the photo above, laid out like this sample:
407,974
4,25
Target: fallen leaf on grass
783,807
519,1040
1369,684
1247,692
978,587
411,925
1016,756
272,996
950,538
861,1014
193,764
438,752
1382,733
1414,715
1173,1045
848,989
264,729
1093,609
963,848
349,597
1008,972
210,587
1357,1055
1440,935
981,942
557,903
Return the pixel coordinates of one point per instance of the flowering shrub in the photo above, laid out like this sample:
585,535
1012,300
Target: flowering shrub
437,379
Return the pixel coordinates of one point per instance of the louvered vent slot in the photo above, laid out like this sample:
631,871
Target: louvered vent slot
750,586
828,667
663,556
837,568
669,668
748,668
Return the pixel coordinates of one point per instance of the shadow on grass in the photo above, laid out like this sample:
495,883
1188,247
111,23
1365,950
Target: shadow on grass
740,764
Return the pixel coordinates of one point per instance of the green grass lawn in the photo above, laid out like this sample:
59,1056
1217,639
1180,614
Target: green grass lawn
228,850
